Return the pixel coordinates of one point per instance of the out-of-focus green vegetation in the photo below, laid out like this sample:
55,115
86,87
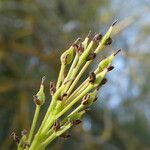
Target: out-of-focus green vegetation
32,36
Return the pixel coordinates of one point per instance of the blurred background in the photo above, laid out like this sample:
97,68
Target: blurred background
34,33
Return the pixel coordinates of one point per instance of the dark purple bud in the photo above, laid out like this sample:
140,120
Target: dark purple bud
108,41
79,48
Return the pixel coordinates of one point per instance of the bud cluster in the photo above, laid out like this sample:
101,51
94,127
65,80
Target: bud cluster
61,115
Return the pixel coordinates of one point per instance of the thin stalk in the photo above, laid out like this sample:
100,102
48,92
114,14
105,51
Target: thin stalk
35,118
72,67
56,134
75,100
78,77
60,77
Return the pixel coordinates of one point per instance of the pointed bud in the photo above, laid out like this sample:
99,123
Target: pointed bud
77,41
67,56
105,63
40,96
116,52
85,42
114,22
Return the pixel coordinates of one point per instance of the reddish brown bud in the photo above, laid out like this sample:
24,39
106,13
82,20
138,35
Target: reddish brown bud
92,77
97,37
102,83
62,96
52,88
76,122
36,100
77,41
56,125
79,48
14,137
24,132
91,56
85,99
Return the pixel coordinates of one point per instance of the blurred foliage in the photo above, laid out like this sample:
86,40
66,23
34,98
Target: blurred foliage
32,36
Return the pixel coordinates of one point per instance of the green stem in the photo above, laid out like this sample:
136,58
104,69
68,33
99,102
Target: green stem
78,77
75,100
72,67
35,118
56,134
61,75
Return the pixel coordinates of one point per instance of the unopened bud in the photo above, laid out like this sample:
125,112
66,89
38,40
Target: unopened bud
91,56
108,41
56,125
76,122
40,96
14,137
24,132
110,68
85,100
92,77
97,37
67,56
52,88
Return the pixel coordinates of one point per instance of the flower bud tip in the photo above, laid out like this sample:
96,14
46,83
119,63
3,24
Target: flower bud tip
115,53
114,22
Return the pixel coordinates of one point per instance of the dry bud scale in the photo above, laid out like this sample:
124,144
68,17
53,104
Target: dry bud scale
65,94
